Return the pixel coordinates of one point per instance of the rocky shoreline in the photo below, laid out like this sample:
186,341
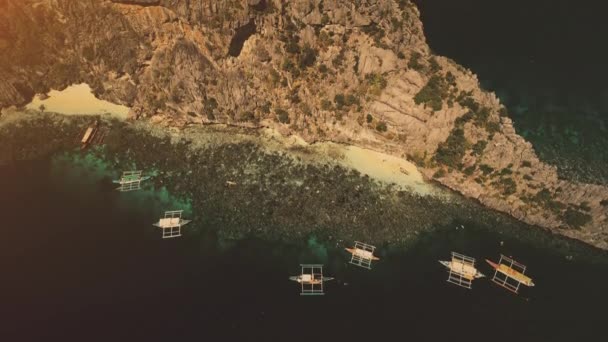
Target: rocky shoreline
322,70
279,192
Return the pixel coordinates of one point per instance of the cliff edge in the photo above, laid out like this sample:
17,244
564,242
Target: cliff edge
357,72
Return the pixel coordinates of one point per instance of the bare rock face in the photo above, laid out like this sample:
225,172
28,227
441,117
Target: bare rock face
358,72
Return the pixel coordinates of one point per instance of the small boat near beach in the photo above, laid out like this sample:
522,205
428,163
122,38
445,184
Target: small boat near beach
89,135
362,254
93,135
130,181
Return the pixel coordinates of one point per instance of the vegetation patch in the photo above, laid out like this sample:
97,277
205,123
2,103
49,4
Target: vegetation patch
486,169
282,115
433,93
479,147
439,173
451,151
308,57
507,185
575,218
544,198
414,62
381,126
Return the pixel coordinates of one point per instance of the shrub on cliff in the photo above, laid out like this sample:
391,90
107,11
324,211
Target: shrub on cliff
545,198
481,116
507,185
339,100
307,57
376,80
325,104
434,64
381,126
575,218
209,107
433,93
466,101
339,59
247,116
451,151
282,115
439,174
486,169
469,170
352,99
479,147
288,65
414,62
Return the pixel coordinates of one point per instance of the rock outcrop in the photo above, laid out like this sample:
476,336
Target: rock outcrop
358,72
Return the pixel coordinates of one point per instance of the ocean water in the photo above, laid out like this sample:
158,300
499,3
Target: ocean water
82,261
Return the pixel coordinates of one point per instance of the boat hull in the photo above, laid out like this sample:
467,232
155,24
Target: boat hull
470,273
511,273
313,282
121,182
354,251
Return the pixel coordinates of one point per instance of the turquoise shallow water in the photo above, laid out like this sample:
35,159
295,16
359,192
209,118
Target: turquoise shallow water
83,261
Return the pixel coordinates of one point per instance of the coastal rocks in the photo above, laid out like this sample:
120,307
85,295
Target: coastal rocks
324,70
246,185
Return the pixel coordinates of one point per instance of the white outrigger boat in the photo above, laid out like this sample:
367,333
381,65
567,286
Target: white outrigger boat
311,279
461,270
362,255
130,181
172,224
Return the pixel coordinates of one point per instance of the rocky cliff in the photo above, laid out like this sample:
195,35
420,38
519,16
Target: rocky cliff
358,72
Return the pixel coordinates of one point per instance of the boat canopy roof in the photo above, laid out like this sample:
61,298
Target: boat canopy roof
169,222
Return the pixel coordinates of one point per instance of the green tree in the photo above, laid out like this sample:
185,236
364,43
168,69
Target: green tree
433,93
451,151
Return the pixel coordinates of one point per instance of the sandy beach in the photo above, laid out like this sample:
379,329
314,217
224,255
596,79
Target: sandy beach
77,99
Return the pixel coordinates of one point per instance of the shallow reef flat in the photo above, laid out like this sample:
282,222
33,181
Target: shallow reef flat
241,184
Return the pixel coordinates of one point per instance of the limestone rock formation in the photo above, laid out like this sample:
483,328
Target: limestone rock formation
358,72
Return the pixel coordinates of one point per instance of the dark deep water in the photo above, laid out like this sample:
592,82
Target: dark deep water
546,60
82,262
